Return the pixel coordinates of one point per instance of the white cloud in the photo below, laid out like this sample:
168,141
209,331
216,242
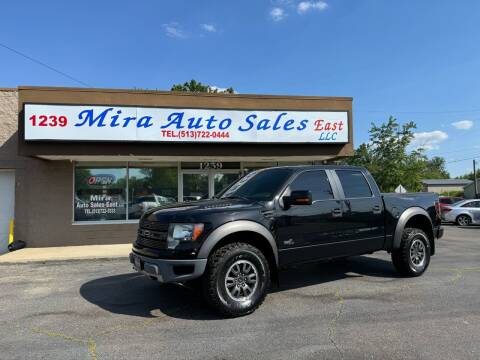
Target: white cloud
218,88
221,89
209,28
428,140
463,125
306,6
282,2
277,14
174,30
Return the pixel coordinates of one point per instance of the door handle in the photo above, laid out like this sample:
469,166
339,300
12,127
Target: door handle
337,212
377,209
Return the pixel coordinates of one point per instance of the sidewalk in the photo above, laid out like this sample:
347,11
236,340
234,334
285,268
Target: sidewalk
84,252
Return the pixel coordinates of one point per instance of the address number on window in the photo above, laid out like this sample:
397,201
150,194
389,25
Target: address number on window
211,165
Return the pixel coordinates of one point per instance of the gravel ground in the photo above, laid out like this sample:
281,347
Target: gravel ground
353,309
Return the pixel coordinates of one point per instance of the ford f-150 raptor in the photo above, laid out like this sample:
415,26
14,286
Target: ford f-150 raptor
235,244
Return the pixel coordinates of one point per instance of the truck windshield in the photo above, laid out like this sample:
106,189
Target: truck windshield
259,185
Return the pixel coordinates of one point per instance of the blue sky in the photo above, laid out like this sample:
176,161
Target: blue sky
415,60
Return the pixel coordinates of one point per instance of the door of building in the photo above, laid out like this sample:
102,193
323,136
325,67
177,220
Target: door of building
204,184
7,203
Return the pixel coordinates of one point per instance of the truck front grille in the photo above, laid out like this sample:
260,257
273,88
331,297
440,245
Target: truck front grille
153,244
153,225
156,239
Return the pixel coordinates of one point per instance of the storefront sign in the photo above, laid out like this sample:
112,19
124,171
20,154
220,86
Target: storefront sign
102,179
118,123
97,205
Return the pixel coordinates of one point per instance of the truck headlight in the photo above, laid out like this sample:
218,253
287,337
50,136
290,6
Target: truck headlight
178,233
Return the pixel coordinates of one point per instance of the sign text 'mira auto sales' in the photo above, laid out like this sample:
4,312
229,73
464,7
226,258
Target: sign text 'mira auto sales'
119,123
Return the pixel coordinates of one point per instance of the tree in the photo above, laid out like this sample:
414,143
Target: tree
436,168
390,162
198,87
470,176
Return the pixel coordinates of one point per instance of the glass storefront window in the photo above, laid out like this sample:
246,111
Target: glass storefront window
223,181
113,191
100,193
150,187
195,186
101,190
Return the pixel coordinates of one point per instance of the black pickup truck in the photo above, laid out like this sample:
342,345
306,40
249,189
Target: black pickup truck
234,245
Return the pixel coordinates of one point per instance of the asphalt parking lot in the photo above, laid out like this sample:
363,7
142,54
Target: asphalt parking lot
353,309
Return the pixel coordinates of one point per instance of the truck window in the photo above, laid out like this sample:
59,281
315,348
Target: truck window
354,184
260,185
316,182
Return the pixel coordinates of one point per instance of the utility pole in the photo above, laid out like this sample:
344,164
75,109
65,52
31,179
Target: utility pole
475,180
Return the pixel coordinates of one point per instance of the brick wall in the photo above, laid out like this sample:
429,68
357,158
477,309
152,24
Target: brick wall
44,209
44,193
8,128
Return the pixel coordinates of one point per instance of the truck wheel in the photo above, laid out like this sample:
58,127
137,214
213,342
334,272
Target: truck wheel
236,279
463,220
413,256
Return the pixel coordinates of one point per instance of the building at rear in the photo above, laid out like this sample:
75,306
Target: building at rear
469,190
83,165
445,186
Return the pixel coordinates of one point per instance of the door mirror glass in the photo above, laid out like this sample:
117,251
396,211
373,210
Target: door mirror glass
298,197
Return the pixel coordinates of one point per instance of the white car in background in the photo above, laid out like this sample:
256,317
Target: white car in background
463,213
147,202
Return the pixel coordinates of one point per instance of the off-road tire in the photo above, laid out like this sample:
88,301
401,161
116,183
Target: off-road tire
214,280
467,220
402,257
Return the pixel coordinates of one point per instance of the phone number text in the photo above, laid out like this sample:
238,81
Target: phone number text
195,134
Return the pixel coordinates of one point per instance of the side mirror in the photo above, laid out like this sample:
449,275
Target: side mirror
298,197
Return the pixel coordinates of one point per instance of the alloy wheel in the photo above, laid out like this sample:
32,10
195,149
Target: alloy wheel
241,280
417,253
463,220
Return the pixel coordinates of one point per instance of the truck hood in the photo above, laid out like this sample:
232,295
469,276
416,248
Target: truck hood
201,210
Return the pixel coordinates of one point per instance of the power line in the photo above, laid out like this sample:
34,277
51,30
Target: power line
45,65
466,150
465,159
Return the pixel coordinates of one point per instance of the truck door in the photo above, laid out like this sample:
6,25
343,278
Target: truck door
304,230
363,212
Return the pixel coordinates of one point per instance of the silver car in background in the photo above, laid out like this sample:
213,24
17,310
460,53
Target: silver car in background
463,213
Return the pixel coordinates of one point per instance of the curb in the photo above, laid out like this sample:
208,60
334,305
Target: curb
45,261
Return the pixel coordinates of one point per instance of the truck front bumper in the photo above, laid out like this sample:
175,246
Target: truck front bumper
166,270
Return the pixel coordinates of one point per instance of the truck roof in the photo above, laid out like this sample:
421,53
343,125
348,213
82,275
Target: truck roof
306,167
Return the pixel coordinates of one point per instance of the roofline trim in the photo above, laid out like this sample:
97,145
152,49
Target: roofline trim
179,93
